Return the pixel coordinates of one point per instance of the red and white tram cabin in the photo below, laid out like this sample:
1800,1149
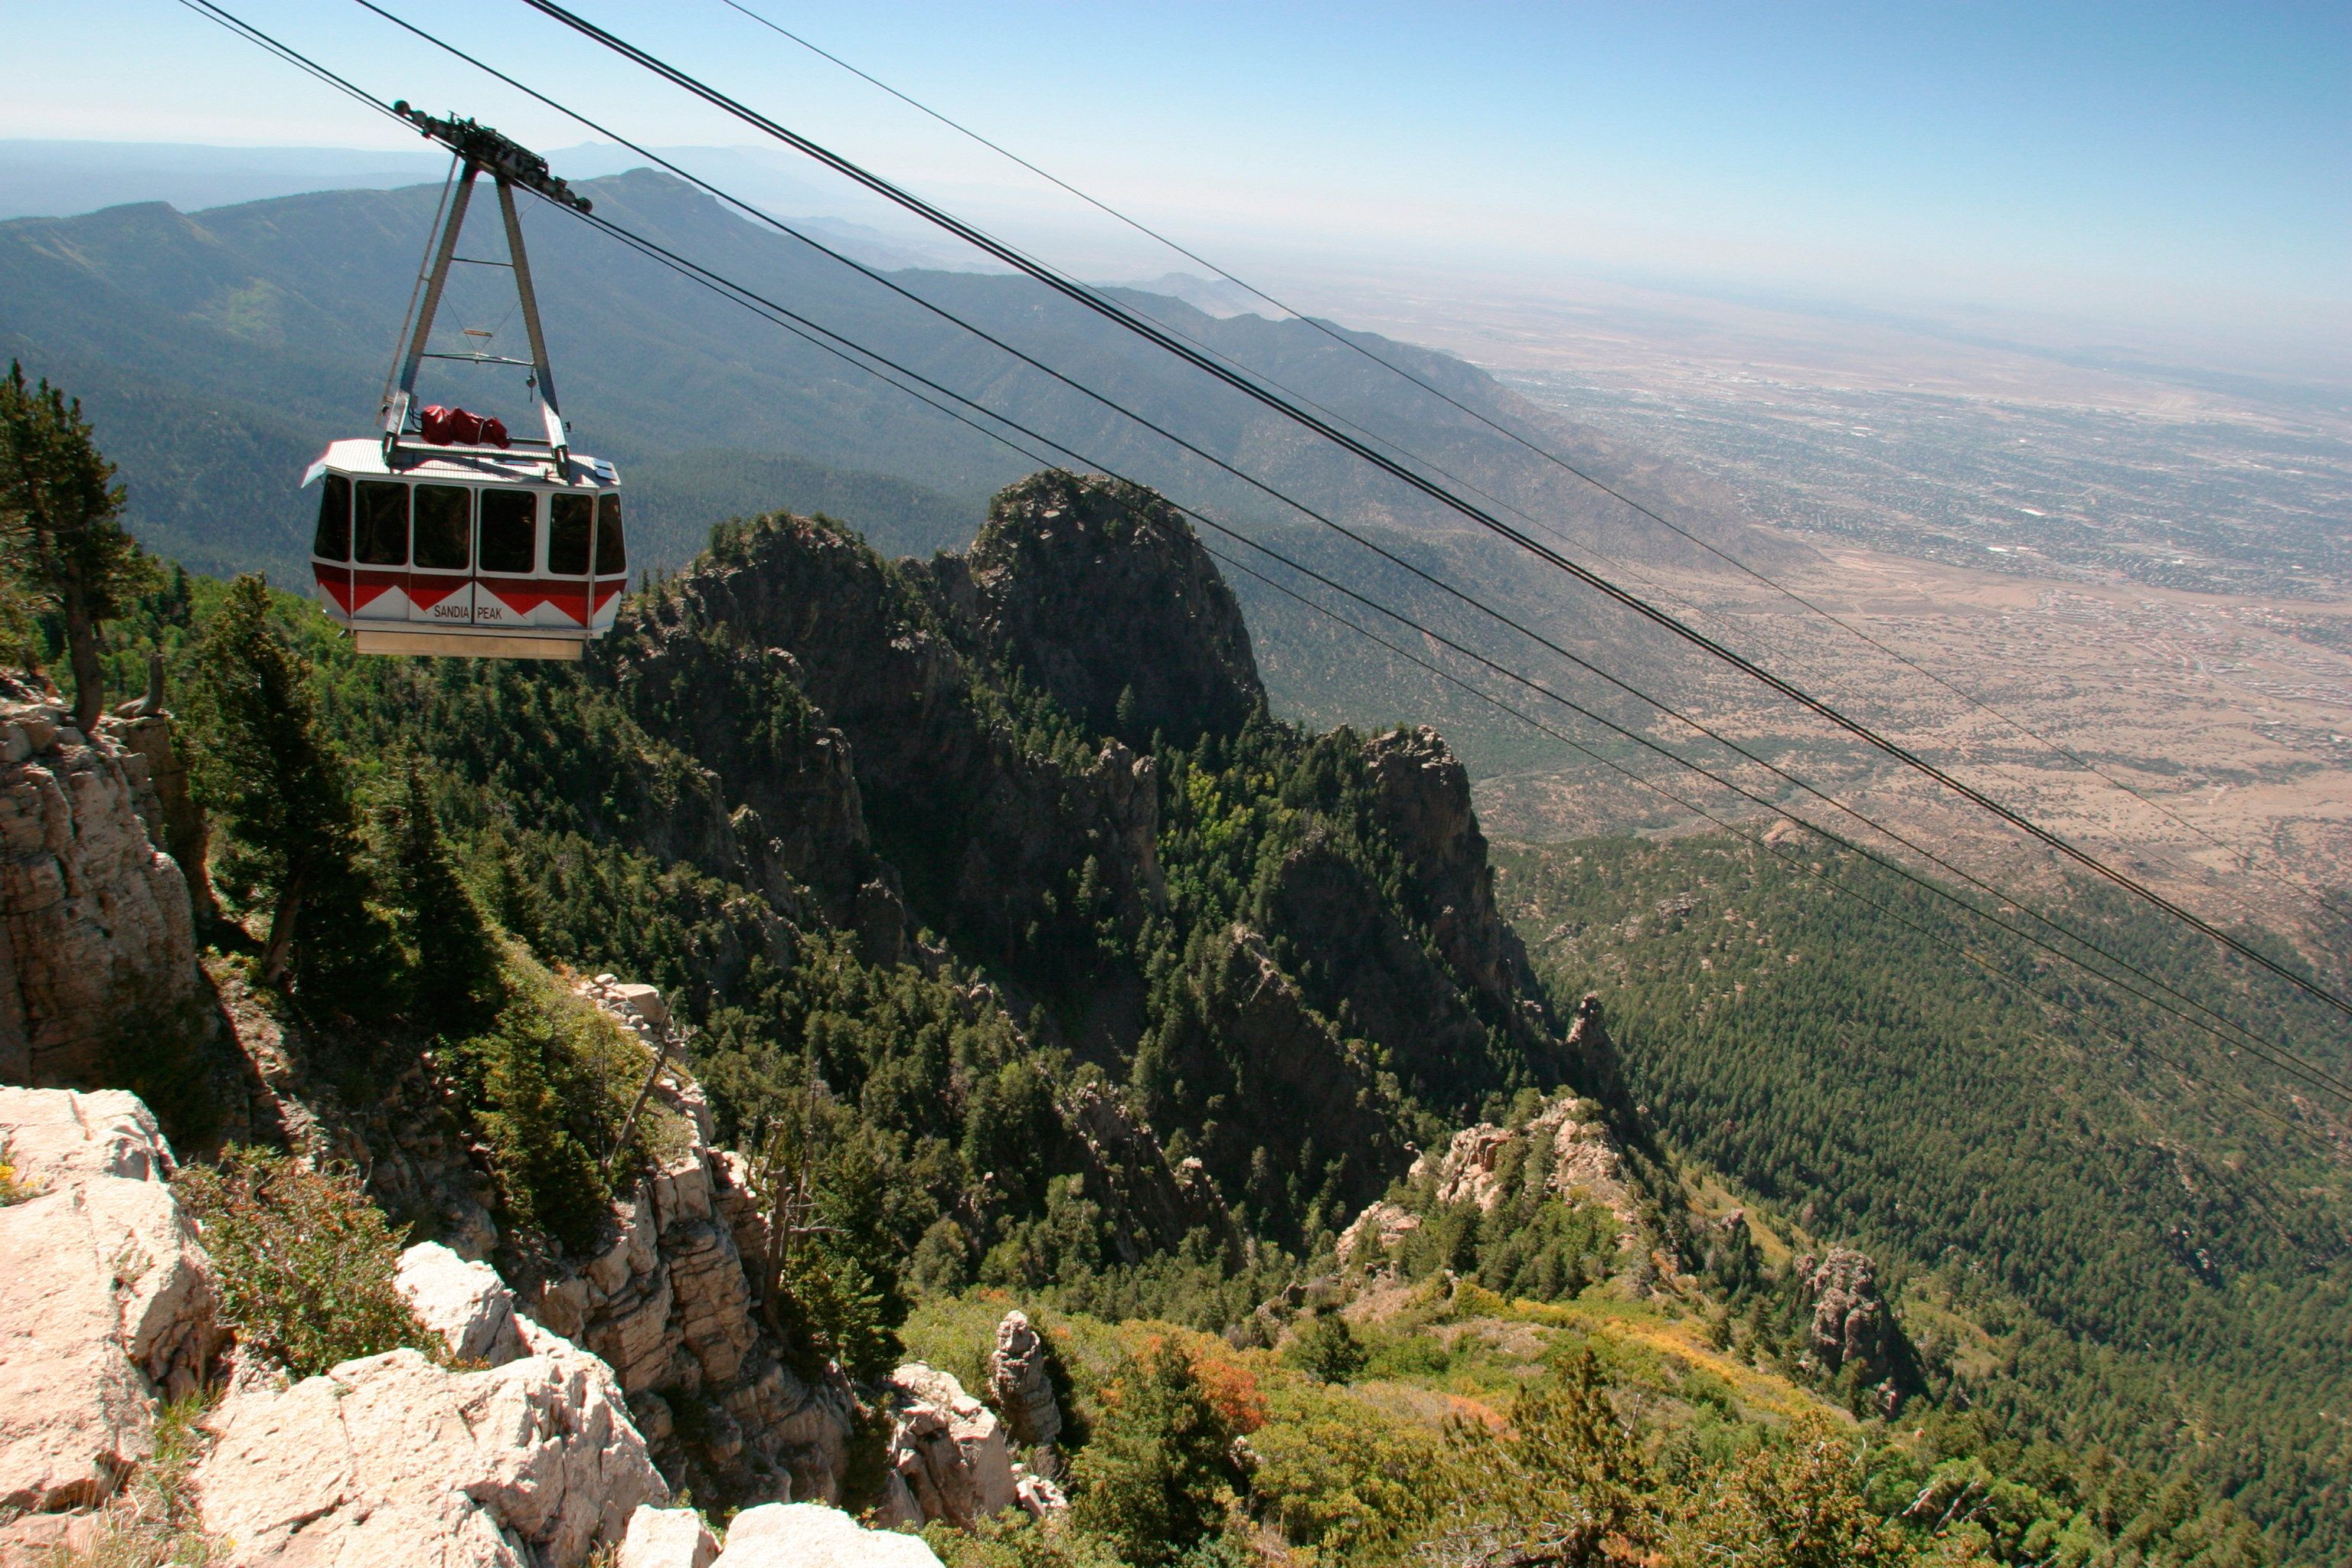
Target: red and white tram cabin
477,551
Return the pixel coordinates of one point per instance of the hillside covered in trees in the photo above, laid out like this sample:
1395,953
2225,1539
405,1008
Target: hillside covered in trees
1022,949
2100,1233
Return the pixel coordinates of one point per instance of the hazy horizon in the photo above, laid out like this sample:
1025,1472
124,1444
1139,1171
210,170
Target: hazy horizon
2175,173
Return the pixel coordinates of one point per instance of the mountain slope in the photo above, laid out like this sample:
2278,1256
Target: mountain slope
1173,1011
2167,1272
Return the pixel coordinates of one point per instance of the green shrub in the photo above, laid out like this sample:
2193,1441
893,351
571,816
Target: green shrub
1790,1504
1016,1540
1354,1482
1326,1349
1415,1355
1157,1479
305,1261
524,1084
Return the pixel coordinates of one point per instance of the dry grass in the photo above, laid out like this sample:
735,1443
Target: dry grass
152,1521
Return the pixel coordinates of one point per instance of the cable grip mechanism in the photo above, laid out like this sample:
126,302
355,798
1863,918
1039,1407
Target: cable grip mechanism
487,149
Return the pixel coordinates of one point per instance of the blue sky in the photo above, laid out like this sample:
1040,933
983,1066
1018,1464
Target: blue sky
2150,159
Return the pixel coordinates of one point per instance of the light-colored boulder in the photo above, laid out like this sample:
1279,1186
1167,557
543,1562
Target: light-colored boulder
57,1136
948,1446
105,1297
392,1460
641,1001
811,1535
1039,1495
668,1538
466,1303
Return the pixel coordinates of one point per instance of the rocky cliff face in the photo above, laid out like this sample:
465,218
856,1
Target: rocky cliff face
860,756
669,1304
1099,592
1154,1202
859,742
1424,802
96,937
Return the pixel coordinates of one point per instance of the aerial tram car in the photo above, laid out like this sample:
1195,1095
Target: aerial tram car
444,533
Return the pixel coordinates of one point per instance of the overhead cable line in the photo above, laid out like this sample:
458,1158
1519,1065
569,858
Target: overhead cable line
799,327
1794,861
1112,310
867,359
1284,499
749,297
1325,521
1353,345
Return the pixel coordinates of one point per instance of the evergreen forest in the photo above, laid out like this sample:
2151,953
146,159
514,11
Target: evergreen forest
1059,972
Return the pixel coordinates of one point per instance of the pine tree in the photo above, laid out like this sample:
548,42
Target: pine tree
456,974
65,547
1155,1480
267,770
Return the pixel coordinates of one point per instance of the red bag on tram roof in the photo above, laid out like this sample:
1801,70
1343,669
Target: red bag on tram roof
436,425
465,428
494,431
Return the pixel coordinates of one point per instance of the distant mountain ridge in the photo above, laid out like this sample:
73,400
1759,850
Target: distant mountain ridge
219,351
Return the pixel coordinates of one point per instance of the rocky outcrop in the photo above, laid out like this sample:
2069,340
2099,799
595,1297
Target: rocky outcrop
668,1538
1569,1151
805,1536
1371,1234
1424,804
1592,1062
391,1458
1851,1328
96,933
1099,592
668,1303
1021,1386
948,1456
857,683
1564,1153
1154,1203
106,1299
157,763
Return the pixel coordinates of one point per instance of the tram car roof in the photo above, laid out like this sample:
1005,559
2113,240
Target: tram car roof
364,457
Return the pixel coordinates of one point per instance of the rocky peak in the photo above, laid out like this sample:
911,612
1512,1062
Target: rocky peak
1099,592
1424,804
1021,1385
